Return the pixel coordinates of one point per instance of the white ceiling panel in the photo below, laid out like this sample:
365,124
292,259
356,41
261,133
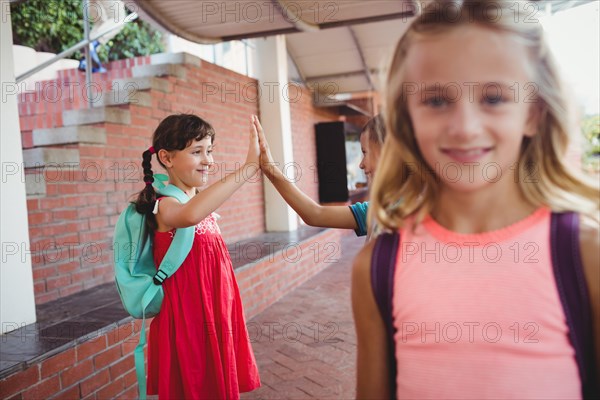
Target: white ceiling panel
311,43
374,34
341,85
329,64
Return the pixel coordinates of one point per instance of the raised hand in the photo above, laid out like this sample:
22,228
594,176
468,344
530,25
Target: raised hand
267,164
253,157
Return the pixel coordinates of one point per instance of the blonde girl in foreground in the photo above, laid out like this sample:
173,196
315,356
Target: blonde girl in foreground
477,137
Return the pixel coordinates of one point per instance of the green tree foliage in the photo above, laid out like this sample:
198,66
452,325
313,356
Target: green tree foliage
590,127
51,26
137,38
56,25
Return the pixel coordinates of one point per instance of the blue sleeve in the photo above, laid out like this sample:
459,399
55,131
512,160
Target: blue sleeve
359,210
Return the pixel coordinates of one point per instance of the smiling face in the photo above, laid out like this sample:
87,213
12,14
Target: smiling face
470,111
370,153
189,168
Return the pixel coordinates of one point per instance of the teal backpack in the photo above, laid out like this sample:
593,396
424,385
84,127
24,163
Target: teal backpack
138,281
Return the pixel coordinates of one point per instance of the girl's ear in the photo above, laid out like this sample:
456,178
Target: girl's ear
533,120
165,157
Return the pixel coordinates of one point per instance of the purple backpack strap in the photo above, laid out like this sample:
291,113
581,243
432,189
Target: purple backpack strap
383,265
572,288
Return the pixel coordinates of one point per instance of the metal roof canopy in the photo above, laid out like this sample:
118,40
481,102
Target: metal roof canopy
215,21
336,46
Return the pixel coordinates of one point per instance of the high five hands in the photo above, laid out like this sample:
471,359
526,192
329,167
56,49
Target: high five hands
267,165
252,158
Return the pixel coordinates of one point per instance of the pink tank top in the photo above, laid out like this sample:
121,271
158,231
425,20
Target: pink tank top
479,315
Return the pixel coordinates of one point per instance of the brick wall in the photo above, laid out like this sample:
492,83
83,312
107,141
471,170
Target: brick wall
266,281
99,368
73,207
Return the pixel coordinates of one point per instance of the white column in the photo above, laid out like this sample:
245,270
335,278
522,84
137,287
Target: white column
17,303
271,70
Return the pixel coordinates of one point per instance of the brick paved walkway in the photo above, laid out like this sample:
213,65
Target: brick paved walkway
305,343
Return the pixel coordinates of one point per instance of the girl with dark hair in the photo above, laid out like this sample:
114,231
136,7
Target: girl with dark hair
198,346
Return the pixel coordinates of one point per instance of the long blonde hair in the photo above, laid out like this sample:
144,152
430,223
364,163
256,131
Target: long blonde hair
405,186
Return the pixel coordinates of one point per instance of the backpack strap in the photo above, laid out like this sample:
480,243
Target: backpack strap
383,265
182,241
574,296
177,253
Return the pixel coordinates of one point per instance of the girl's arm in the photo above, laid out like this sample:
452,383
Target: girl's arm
177,215
373,380
589,238
310,211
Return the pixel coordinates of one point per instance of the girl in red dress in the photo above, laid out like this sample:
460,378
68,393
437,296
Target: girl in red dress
198,346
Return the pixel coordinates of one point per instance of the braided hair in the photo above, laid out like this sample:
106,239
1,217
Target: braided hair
174,133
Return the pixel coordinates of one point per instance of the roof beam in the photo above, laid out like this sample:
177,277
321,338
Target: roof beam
375,18
296,20
341,75
362,58
327,25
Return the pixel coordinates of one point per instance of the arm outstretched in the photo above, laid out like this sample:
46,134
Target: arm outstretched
310,211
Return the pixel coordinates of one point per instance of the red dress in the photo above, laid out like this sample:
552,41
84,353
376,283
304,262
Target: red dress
199,346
